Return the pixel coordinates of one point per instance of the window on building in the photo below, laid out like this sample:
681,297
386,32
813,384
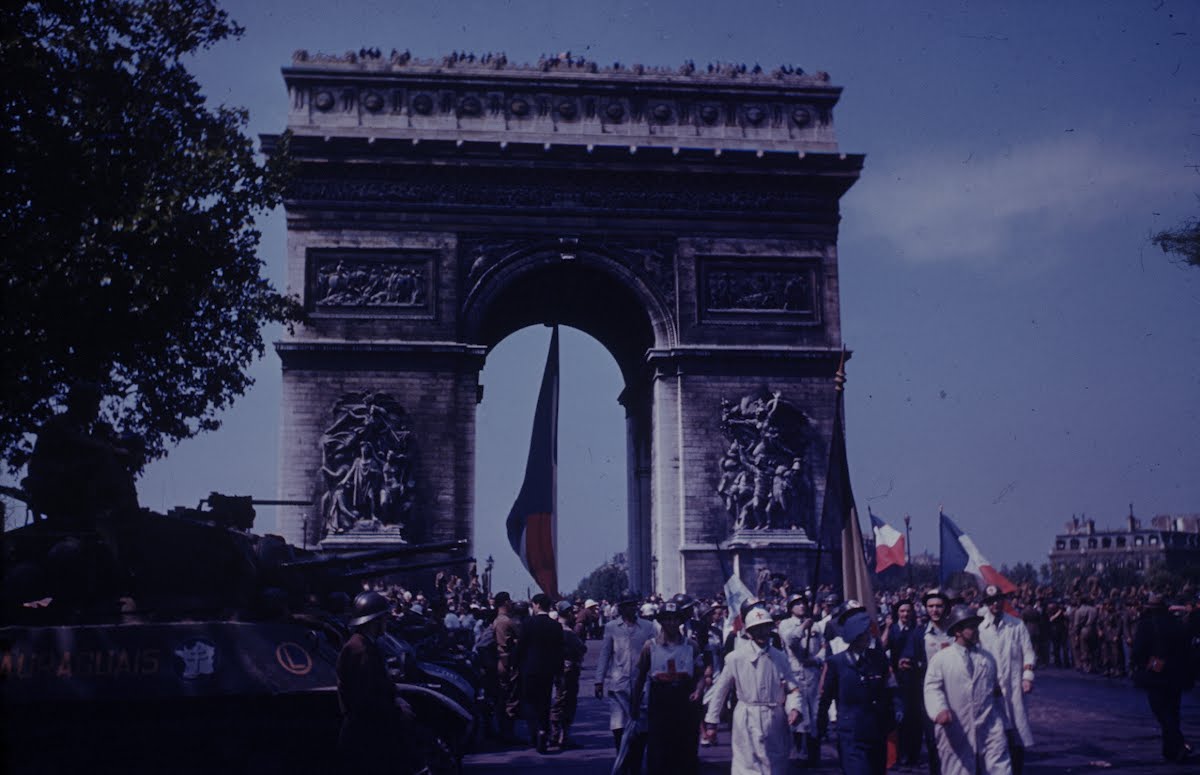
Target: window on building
1106,543
1074,543
1060,545
1121,542
1153,540
1091,543
1137,541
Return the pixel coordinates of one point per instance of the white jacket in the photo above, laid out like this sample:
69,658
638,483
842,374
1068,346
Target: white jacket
973,743
761,740
1007,640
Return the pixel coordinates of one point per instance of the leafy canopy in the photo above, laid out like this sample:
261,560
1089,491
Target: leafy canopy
127,215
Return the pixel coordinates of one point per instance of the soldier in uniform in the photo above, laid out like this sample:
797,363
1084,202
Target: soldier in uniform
508,633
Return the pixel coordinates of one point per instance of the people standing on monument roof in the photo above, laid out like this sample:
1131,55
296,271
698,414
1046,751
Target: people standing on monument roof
623,641
964,701
1006,638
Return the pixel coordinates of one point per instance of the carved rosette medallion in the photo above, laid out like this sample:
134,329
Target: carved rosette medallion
764,481
367,475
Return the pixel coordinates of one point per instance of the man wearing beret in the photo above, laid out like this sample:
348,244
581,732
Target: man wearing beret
1006,638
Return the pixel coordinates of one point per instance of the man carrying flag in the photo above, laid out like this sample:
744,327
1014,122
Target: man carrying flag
889,544
531,524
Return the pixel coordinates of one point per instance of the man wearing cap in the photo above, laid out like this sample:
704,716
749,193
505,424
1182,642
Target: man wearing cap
566,686
963,699
927,641
768,701
803,648
624,638
1006,638
860,681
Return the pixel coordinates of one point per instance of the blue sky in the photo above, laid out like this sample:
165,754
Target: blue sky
1021,351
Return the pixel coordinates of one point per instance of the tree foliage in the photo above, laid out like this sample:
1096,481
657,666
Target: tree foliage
1183,242
128,205
606,582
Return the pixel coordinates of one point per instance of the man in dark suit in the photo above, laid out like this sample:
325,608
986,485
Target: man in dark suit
1160,662
896,640
540,659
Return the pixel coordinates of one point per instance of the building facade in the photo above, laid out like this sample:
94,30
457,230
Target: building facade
1173,541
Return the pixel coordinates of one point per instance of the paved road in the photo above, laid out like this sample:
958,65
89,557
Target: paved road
1081,724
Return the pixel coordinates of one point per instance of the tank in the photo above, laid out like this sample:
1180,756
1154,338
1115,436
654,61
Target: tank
135,641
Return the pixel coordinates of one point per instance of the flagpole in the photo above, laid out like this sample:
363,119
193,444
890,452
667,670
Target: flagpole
908,546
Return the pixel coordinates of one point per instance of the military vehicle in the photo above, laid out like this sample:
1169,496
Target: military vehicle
133,641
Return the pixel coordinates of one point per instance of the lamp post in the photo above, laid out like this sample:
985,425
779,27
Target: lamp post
487,576
908,547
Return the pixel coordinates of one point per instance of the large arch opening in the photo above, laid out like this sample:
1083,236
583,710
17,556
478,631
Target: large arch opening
608,320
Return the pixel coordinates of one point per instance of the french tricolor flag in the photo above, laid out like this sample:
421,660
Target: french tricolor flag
889,545
532,528
959,553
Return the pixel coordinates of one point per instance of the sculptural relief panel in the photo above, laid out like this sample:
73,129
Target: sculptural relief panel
375,283
741,290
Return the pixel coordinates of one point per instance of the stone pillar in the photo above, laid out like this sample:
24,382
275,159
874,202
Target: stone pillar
637,451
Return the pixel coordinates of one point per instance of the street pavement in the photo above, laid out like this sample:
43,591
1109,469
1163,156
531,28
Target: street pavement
1081,724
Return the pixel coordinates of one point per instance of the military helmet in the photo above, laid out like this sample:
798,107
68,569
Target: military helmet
758,617
563,607
680,605
962,616
368,606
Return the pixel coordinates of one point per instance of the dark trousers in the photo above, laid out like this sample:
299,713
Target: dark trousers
935,764
537,692
859,757
1016,751
911,731
1164,704
566,700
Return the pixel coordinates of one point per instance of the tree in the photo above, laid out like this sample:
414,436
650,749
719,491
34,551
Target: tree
127,220
1183,242
606,582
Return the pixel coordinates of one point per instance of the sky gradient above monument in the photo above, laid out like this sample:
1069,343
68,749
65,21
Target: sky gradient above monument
1021,351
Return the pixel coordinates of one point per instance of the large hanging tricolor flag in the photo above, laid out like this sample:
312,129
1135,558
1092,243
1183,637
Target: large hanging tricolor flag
840,513
959,554
532,528
889,544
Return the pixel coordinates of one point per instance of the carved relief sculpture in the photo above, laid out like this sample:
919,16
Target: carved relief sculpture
763,474
348,283
366,467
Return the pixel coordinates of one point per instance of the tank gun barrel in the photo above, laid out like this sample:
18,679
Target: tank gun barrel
386,568
374,555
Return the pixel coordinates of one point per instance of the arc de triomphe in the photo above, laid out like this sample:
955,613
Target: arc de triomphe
687,219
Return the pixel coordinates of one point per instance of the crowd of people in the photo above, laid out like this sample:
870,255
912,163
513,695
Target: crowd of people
945,674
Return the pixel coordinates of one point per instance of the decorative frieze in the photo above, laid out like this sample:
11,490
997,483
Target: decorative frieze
562,101
384,283
782,290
